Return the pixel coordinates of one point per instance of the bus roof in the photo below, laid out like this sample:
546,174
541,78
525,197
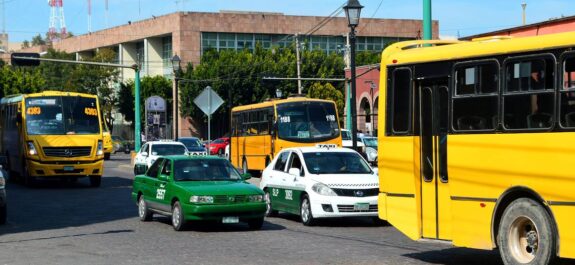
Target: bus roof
276,101
19,97
410,52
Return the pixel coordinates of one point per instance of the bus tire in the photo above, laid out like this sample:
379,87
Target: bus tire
95,181
526,234
245,166
3,214
107,156
26,178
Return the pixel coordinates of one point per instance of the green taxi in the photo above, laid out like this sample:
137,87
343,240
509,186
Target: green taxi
197,188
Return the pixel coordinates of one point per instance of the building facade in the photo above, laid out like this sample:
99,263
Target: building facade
151,43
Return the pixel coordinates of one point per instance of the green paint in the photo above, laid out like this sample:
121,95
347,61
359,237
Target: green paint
427,20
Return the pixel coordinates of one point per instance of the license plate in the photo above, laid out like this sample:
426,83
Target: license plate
361,207
231,220
68,168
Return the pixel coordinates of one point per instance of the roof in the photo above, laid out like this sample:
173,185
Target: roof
169,142
409,52
19,97
275,102
507,31
313,149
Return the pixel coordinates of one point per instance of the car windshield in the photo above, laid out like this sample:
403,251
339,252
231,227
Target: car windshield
370,141
335,163
345,135
308,121
168,149
205,170
191,142
218,141
62,115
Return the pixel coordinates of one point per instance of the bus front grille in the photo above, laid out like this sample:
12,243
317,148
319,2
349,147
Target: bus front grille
67,151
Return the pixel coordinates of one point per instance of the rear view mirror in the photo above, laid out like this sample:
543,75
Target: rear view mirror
163,177
294,171
246,176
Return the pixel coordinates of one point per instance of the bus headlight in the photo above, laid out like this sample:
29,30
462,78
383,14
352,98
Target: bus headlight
100,149
323,189
201,199
32,149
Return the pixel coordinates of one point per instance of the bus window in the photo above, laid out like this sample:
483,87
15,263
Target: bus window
475,105
528,101
567,93
400,100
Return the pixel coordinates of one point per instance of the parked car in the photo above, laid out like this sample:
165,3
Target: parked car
218,146
320,182
194,145
153,150
370,143
120,145
198,188
346,140
3,176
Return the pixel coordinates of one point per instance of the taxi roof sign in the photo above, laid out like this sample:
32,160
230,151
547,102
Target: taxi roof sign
326,146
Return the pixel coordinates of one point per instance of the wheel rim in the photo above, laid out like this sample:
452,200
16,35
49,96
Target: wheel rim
176,216
523,239
268,203
305,212
142,207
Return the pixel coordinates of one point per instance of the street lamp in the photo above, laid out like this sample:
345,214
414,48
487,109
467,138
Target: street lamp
352,12
176,67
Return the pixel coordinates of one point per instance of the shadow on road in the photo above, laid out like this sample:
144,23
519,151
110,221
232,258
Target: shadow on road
58,204
334,222
213,226
458,256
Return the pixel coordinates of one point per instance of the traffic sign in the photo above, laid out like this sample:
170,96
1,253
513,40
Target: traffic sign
208,101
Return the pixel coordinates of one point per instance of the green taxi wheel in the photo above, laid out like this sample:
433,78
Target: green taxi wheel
256,224
305,212
178,221
143,212
269,211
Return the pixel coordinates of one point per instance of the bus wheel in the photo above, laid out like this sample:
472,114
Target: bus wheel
95,181
245,167
26,178
526,234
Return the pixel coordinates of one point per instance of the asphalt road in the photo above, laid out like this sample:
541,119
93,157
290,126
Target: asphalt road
70,223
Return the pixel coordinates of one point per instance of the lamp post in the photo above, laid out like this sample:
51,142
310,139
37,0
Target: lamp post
352,12
176,115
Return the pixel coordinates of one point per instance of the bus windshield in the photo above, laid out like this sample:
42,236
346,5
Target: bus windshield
307,121
57,115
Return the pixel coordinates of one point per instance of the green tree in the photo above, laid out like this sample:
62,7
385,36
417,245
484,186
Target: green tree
57,75
327,91
20,80
25,44
38,40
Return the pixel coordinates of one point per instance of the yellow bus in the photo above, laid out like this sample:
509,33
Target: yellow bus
479,144
260,130
52,134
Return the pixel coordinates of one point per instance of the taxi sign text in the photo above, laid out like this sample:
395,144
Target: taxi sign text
325,146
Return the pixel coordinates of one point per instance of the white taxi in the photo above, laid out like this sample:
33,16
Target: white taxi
150,151
320,182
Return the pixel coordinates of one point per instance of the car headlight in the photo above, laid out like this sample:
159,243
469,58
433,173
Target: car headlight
255,198
371,154
323,189
100,149
32,149
201,199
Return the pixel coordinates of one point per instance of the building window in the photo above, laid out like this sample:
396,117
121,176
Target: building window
245,41
227,41
264,40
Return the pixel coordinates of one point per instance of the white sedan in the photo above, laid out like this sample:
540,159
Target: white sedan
150,151
320,182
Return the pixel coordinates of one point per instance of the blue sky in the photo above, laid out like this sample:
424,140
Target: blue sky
26,18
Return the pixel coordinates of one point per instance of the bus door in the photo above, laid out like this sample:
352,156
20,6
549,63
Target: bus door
433,117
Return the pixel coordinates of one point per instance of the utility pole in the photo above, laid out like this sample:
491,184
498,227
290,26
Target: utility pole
427,20
347,61
298,63
523,5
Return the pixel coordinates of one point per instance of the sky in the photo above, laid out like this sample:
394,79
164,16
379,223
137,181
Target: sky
26,18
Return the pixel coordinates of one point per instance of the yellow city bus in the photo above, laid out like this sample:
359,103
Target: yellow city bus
52,134
260,130
479,144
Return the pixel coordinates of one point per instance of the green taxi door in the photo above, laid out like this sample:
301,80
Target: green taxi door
164,187
294,183
148,184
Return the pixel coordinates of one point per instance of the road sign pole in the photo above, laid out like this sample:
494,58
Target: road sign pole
209,121
137,129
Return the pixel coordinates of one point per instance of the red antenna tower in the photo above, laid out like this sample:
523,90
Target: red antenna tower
56,15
